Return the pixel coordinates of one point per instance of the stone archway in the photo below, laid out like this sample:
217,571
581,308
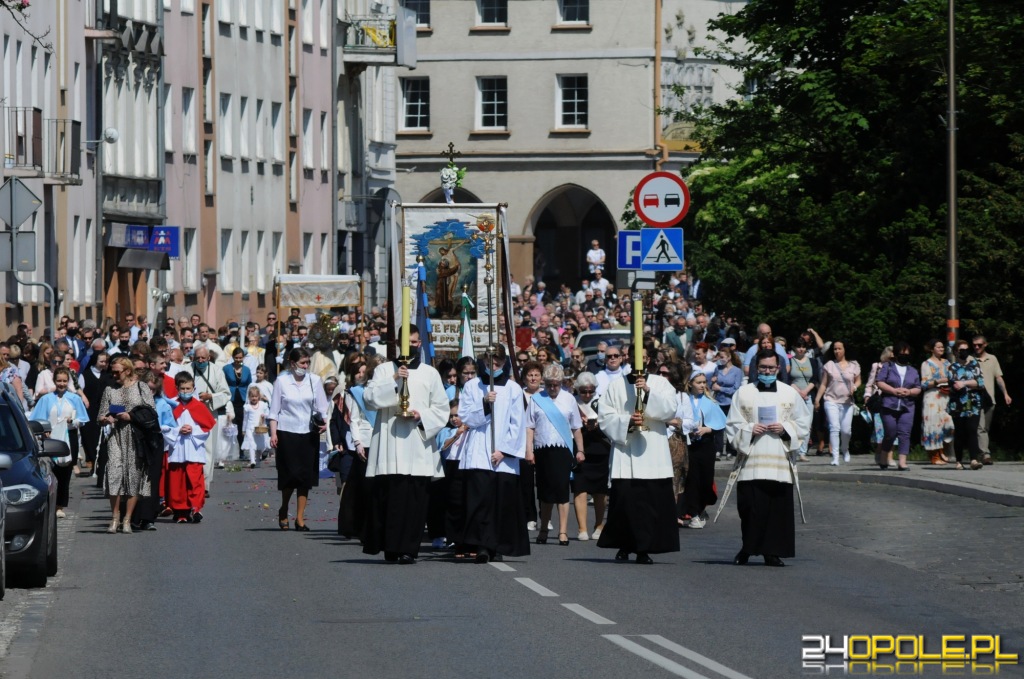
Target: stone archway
459,196
564,221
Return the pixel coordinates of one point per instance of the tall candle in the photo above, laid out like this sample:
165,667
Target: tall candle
406,308
638,334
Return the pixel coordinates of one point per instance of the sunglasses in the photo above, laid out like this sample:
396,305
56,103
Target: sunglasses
586,391
978,346
613,355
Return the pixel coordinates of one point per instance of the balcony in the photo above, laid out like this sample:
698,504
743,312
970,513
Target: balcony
46,148
370,40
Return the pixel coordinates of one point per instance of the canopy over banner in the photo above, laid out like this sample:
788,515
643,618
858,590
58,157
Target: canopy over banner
299,290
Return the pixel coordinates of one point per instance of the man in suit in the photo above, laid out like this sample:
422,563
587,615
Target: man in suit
76,346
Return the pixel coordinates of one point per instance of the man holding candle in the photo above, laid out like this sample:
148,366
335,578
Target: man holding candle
642,515
403,455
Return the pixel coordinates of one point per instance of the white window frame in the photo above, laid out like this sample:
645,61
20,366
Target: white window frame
89,270
325,24
243,12
307,253
259,12
276,17
325,255
210,169
307,22
188,120
261,261
226,248
576,6
245,259
422,108
293,177
277,132
307,139
168,117
419,6
325,142
484,7
261,133
277,252
190,259
481,102
226,124
563,86
244,146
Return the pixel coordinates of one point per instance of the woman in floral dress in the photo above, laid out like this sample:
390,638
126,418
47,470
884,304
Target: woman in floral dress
936,422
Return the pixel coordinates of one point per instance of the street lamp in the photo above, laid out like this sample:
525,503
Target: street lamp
110,136
953,319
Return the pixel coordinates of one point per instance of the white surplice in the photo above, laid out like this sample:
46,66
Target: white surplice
509,435
638,454
769,454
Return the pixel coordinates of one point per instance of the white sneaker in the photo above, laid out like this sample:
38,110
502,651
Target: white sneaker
846,457
583,537
550,527
696,522
532,525
597,533
835,461
61,514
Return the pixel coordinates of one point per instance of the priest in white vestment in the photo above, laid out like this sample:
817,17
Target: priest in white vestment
403,455
767,423
642,514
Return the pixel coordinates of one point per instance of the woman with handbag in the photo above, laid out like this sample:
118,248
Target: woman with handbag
967,387
936,423
900,386
554,442
297,409
125,471
65,412
351,431
840,380
873,409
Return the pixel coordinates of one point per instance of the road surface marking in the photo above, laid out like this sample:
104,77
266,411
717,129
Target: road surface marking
538,588
694,656
589,614
504,568
659,660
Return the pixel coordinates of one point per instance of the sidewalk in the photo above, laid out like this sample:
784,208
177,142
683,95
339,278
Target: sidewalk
1001,483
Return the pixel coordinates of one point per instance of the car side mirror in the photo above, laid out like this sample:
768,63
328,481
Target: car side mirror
6,462
39,427
55,448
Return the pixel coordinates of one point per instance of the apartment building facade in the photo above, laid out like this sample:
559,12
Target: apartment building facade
553,106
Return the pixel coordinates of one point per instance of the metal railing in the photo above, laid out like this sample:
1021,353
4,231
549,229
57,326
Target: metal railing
24,143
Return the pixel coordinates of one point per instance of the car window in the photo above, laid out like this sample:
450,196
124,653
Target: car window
12,440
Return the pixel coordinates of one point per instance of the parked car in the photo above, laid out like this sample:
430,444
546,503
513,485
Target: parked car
588,339
5,463
30,492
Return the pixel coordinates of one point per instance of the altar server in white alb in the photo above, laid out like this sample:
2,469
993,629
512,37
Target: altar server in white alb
642,515
495,521
403,455
767,423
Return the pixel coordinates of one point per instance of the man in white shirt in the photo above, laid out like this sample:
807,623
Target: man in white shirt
212,388
595,257
600,282
616,367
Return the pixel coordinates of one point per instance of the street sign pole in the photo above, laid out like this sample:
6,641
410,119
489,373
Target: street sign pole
18,203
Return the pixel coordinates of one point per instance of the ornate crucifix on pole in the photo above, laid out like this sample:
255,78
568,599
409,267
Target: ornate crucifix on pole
451,174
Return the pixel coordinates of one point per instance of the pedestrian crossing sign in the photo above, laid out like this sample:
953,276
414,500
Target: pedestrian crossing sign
662,249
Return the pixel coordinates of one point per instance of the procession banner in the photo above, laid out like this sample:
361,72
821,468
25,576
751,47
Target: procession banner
322,292
451,243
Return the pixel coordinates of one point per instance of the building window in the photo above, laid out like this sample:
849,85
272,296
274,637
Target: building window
422,9
257,15
293,177
325,255
168,117
307,253
188,120
224,11
415,103
243,12
325,143
492,12
276,16
227,260
307,22
243,127
492,95
210,166
325,24
307,139
190,261
246,262
261,261
572,95
574,11
277,132
260,132
188,6
226,126
207,94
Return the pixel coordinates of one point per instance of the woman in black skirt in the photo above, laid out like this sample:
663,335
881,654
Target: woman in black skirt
349,415
699,490
297,395
592,475
554,442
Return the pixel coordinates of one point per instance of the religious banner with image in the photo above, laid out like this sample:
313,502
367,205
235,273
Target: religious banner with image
451,239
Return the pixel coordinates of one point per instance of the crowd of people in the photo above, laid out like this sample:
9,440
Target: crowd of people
484,450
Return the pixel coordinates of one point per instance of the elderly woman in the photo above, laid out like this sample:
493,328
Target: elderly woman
900,385
708,420
124,473
531,376
936,423
591,476
965,385
350,432
554,443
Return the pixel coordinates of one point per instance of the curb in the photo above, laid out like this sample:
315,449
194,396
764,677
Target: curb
1006,498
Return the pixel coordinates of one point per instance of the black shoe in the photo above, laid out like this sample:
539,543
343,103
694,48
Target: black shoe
252,465
407,559
773,561
206,495
741,558
391,557
197,516
136,526
302,528
644,558
148,525
542,538
482,557
497,557
565,542
622,555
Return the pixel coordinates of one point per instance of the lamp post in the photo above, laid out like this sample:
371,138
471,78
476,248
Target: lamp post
110,136
953,322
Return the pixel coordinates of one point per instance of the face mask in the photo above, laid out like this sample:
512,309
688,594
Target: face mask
185,397
201,365
123,345
72,332
299,372
721,362
280,345
600,355
766,380
495,373
374,339
903,359
963,354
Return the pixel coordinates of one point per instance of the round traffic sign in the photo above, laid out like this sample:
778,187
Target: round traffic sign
661,199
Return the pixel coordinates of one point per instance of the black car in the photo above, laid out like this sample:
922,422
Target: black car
5,463
30,489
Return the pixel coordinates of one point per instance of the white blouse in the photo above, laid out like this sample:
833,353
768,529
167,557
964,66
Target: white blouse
544,433
292,402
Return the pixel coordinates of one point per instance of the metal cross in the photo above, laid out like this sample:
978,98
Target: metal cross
451,154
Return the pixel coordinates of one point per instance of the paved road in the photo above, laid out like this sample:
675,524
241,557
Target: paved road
235,597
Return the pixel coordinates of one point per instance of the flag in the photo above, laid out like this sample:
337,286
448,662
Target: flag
465,330
422,320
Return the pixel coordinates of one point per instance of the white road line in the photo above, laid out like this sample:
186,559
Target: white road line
504,568
589,614
659,660
536,587
694,656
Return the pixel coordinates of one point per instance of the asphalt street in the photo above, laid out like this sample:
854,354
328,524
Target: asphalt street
236,597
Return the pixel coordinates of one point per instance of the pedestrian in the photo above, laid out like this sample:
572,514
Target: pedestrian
590,480
966,383
403,455
298,410
238,378
936,423
349,413
186,457
900,385
725,381
767,424
491,407
65,412
699,490
255,414
992,374
595,256
642,514
213,392
884,461
554,441
124,473
840,380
